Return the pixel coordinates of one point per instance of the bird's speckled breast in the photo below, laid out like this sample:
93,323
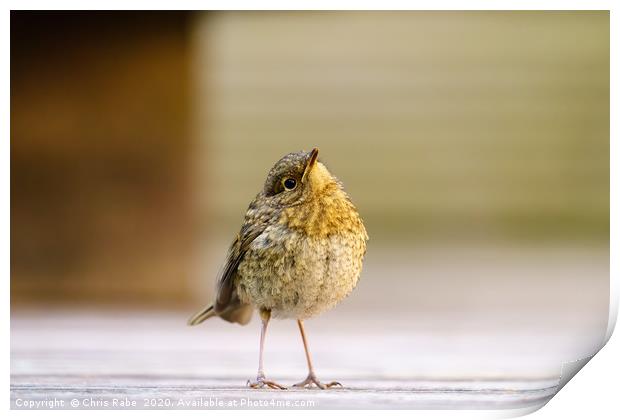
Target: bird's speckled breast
299,273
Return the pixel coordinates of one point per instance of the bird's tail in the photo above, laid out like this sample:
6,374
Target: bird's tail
201,316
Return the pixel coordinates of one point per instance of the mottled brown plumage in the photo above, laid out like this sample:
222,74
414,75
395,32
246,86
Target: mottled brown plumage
299,252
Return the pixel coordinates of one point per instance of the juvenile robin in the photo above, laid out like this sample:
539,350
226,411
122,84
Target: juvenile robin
299,253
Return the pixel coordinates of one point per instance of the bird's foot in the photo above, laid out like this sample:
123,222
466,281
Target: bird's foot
312,380
262,382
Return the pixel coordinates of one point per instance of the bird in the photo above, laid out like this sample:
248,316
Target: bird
298,253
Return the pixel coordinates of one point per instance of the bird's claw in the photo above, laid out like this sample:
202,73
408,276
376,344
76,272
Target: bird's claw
261,382
312,380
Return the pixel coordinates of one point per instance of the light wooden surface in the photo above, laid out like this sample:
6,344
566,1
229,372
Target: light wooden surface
490,329
103,359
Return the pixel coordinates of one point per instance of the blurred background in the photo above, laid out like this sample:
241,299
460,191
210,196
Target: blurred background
475,145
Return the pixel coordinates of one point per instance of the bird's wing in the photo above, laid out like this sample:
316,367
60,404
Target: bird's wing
254,224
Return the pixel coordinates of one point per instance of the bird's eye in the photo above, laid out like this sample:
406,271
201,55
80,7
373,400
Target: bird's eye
290,184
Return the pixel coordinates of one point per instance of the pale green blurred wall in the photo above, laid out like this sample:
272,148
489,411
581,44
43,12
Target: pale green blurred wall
440,124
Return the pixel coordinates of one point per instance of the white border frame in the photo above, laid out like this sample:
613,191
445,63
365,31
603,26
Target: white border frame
593,392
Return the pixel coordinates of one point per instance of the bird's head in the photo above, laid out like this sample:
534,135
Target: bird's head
297,178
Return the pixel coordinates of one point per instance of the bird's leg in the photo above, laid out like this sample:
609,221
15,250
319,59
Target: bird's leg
311,379
261,381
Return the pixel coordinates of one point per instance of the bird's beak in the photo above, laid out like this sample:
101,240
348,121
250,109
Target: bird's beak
314,154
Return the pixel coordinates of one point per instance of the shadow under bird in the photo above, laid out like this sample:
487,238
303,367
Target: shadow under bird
299,253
